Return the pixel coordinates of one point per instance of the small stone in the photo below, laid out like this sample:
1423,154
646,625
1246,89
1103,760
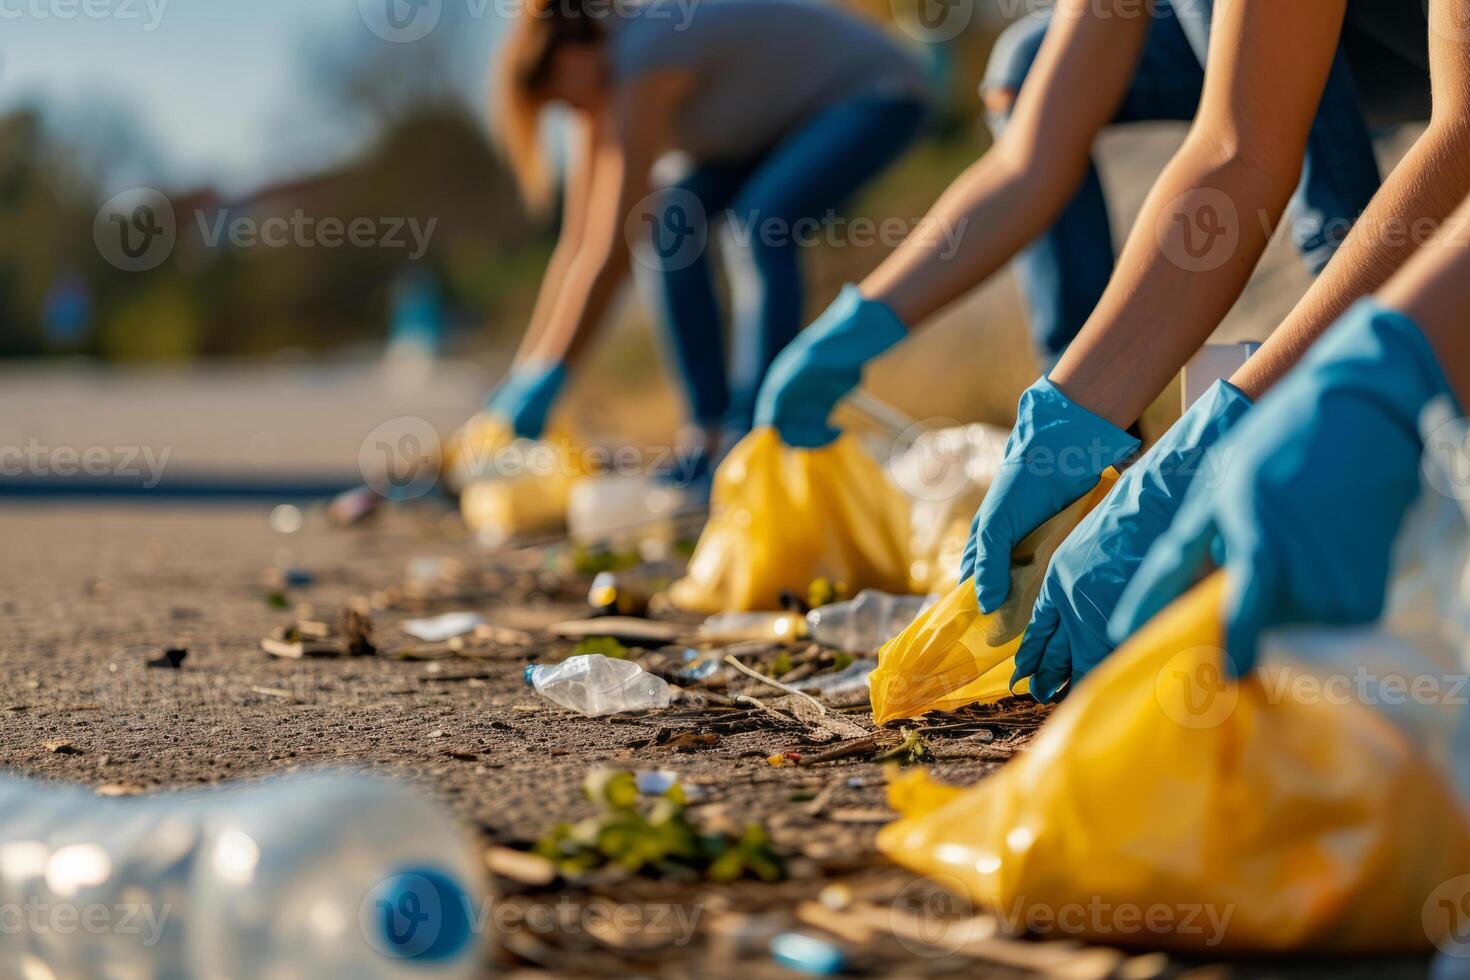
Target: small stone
61,746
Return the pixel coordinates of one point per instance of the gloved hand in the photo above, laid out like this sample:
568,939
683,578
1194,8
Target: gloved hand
1055,454
1068,633
525,397
822,365
1320,476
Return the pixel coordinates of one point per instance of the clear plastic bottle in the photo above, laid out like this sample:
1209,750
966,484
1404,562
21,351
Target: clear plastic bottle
330,875
594,685
864,624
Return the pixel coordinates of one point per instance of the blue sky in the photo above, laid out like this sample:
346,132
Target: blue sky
220,85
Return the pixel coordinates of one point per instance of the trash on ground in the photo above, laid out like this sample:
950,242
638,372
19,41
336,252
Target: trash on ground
353,506
623,512
749,627
351,637
237,855
954,655
438,629
629,592
637,833
866,622
945,474
595,685
1218,812
807,954
625,629
853,677
782,517
520,866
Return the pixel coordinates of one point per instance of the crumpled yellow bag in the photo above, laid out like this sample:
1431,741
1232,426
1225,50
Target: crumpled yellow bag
1162,806
509,486
954,655
783,517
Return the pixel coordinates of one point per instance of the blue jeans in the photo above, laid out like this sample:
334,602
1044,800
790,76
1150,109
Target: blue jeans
768,208
1063,273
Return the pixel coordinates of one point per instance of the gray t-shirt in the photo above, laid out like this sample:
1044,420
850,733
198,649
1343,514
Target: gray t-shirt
763,66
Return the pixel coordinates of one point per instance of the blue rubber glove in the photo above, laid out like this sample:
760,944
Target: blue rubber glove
1055,454
822,365
525,397
1068,633
1319,478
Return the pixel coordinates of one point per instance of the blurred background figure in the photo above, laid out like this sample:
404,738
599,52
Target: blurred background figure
778,111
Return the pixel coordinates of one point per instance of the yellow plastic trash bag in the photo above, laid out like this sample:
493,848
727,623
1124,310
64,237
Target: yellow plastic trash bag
954,655
783,517
509,486
1162,806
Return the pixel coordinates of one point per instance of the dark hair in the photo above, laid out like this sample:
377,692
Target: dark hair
543,28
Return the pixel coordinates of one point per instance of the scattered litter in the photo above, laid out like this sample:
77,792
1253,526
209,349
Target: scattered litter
864,624
275,692
780,759
285,642
594,685
438,629
277,600
625,629
629,592
637,833
655,782
519,866
61,746
307,638
298,577
120,789
170,659
807,954
353,506
746,627
699,668
853,677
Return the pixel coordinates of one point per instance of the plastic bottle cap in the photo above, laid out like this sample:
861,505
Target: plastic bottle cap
421,913
530,675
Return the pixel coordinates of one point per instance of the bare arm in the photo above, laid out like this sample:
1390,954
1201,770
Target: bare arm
1208,219
1018,188
1433,289
625,144
575,196
1425,187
